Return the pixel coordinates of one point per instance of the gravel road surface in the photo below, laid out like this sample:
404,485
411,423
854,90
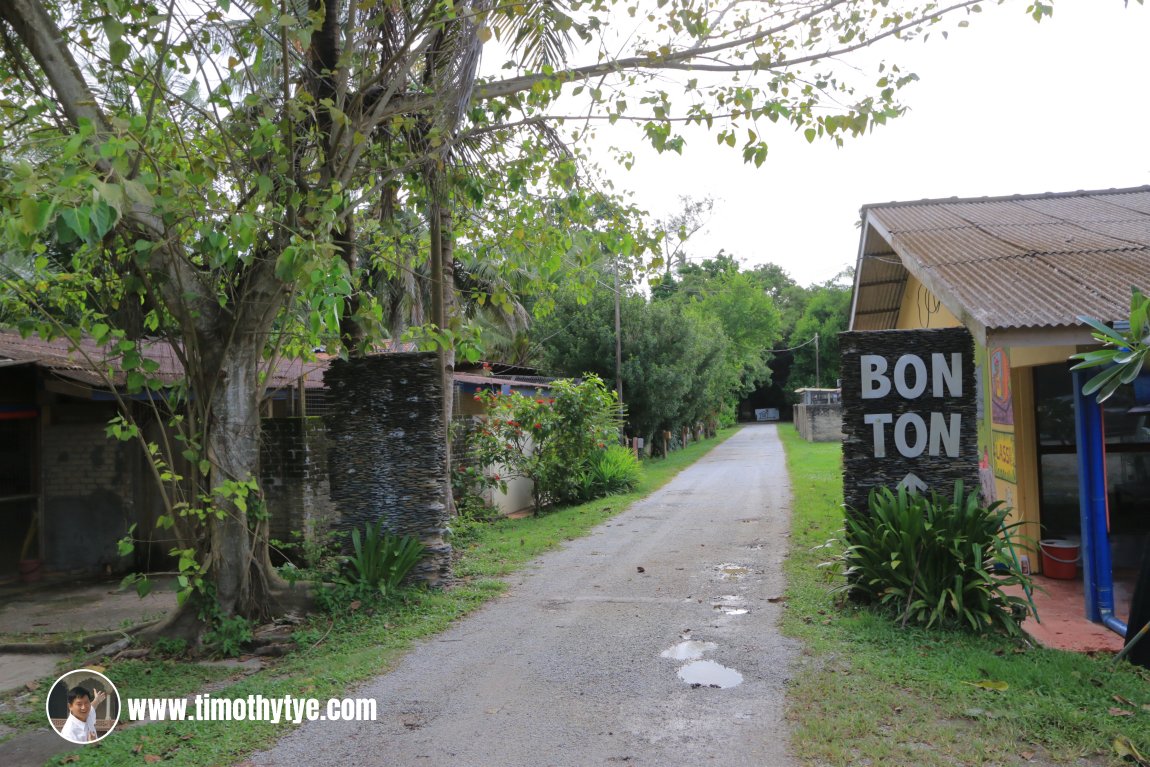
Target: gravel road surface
606,652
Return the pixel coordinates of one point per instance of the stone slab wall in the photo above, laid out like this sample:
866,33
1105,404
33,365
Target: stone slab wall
387,450
913,409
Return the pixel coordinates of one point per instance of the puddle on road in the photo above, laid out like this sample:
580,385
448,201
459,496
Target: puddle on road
689,650
731,571
725,610
708,673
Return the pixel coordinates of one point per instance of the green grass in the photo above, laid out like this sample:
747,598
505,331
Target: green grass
339,652
870,692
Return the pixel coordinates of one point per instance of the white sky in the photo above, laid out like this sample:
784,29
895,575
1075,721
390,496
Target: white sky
1006,106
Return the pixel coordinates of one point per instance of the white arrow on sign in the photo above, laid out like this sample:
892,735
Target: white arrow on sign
912,484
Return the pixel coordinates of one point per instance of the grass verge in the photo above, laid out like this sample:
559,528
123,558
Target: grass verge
868,692
336,652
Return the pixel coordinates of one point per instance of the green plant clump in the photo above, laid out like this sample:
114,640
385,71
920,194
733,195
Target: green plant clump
229,636
615,470
935,561
381,560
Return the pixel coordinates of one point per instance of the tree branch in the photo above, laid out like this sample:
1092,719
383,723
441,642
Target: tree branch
39,33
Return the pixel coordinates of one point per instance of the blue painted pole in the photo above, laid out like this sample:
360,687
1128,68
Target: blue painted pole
1098,575
1086,420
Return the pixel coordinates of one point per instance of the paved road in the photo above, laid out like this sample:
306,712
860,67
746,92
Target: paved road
568,669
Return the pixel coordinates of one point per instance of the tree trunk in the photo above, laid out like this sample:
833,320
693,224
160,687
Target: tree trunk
443,309
1140,612
232,442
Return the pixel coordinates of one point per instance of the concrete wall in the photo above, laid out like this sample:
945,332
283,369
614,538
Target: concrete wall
820,423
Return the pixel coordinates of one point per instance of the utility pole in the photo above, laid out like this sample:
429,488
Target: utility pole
618,342
818,377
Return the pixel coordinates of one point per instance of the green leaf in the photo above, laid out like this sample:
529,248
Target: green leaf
76,221
1099,381
1104,329
118,51
103,218
35,213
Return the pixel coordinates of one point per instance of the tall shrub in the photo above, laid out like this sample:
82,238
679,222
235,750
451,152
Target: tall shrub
550,439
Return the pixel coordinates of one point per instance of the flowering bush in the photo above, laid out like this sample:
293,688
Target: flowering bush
550,439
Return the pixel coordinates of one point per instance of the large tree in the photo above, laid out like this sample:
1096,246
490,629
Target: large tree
816,334
217,162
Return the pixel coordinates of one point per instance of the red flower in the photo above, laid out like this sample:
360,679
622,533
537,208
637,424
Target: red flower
538,426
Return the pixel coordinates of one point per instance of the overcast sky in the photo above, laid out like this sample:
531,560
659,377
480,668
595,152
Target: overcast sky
1006,106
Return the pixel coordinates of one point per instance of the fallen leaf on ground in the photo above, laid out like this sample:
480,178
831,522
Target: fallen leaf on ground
152,758
641,569
1123,701
990,684
1124,748
1027,755
1115,711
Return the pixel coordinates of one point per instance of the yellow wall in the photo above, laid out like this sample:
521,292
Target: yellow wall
1030,356
920,309
1021,495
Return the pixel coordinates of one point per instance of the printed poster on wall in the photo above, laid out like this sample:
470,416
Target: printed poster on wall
1001,407
1002,445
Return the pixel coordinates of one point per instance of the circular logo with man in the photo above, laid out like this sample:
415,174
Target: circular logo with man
83,706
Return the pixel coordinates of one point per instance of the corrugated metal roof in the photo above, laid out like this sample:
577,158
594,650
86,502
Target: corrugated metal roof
87,362
1030,261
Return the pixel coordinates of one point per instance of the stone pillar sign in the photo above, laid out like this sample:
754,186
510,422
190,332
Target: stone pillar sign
387,457
909,412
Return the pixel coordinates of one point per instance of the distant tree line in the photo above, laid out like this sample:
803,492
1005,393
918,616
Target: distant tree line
707,336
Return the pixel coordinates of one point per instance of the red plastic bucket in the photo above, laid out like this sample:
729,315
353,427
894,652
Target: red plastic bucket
1059,558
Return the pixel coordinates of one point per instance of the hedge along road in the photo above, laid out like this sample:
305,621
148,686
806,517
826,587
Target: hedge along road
606,652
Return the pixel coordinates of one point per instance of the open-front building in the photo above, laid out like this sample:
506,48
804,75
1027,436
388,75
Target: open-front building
1018,273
